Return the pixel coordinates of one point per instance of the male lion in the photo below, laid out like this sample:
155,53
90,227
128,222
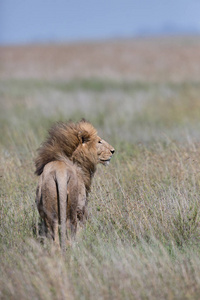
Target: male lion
66,163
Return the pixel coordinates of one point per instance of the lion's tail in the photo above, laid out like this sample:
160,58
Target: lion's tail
62,205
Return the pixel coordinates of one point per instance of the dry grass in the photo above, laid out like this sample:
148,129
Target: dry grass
161,59
142,237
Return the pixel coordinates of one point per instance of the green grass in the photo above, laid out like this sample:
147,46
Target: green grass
143,234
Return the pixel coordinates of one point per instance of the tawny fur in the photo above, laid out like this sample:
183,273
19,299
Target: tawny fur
66,163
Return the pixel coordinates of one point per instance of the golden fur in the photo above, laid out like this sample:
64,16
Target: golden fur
66,163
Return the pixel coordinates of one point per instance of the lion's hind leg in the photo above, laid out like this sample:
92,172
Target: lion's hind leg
48,208
51,231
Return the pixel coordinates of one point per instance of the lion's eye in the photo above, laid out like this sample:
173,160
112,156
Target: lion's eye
100,142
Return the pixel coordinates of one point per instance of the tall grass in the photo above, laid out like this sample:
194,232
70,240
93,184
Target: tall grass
143,234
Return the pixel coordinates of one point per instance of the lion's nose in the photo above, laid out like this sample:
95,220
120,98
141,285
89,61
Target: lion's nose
112,151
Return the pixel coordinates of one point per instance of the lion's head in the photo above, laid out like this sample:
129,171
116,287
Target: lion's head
75,141
104,151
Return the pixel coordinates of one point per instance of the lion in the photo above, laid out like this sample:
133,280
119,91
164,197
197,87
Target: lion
66,164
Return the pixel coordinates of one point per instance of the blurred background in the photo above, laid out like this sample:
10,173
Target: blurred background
128,64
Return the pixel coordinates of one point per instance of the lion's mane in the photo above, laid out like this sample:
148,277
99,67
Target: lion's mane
66,141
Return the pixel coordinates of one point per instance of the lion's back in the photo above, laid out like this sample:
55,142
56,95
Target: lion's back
47,194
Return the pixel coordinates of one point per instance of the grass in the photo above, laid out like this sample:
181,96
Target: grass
143,234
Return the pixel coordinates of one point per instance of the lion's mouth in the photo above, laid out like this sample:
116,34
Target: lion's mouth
105,161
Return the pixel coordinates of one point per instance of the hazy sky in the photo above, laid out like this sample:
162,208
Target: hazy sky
26,21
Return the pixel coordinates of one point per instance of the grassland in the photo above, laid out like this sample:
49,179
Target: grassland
142,239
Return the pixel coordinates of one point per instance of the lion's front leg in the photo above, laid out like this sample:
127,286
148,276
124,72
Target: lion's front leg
82,213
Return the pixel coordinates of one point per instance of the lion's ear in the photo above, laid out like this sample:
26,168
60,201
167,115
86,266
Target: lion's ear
83,141
83,136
